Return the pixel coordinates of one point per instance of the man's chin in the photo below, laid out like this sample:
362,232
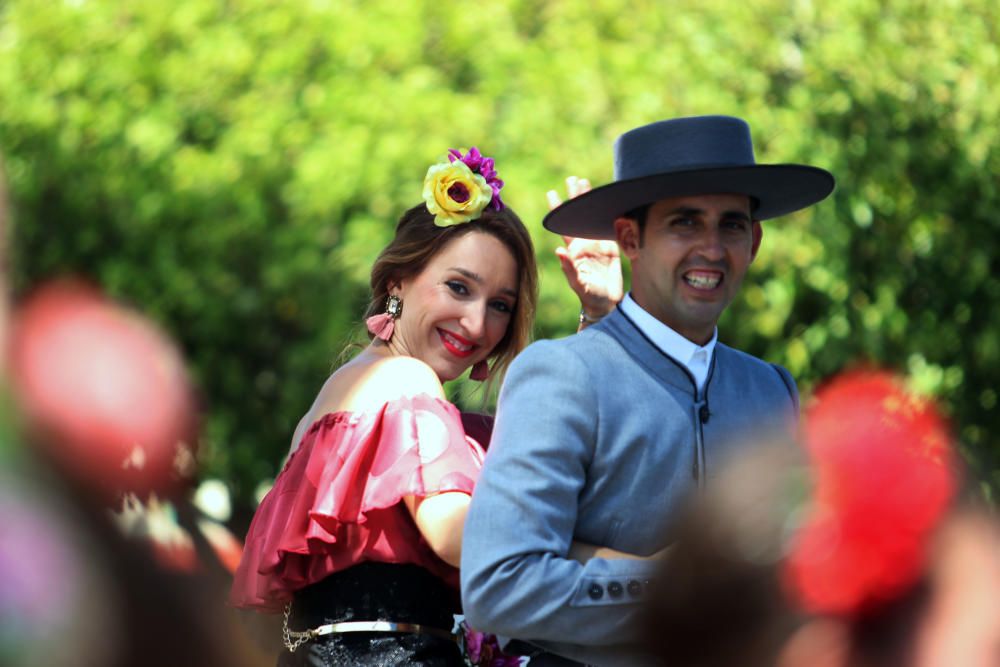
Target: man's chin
706,313
699,325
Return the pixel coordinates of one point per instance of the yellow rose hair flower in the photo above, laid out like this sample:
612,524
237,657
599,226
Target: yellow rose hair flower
454,193
458,190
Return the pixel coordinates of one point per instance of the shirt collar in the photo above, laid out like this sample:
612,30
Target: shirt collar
665,338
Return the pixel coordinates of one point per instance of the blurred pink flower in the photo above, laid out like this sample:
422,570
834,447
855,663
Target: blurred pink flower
483,650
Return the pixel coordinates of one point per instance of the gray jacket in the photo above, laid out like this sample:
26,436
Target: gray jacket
598,436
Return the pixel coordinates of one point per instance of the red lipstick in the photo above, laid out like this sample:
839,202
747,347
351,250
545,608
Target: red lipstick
448,339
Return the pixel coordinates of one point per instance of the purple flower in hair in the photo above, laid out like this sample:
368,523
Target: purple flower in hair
484,166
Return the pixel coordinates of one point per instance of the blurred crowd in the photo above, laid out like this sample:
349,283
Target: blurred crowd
110,554
863,547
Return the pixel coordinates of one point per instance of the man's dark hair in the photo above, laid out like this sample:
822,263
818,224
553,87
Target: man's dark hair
639,214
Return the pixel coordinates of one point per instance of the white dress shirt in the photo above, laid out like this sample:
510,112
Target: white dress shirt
696,358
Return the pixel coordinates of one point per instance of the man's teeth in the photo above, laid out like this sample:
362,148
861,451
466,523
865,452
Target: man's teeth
454,341
702,281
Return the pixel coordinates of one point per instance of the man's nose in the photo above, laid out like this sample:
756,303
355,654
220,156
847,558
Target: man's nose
710,244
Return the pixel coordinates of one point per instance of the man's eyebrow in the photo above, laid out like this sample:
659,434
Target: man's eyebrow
694,212
742,215
686,210
475,277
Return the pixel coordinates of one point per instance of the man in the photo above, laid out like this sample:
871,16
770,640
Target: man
599,435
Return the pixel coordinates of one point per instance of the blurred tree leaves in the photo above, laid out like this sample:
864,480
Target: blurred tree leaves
232,168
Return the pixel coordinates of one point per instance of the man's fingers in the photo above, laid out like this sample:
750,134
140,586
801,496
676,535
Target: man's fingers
572,186
553,198
566,264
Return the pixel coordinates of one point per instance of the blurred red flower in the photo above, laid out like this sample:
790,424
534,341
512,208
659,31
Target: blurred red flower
105,393
884,474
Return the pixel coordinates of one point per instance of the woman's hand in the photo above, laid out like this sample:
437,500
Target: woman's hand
582,552
593,268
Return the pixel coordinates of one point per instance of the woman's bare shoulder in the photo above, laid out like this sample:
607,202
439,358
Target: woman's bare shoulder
368,384
393,378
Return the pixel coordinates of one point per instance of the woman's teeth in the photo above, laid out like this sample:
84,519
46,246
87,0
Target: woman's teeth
464,347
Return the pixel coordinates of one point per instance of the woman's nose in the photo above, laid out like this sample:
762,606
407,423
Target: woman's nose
474,319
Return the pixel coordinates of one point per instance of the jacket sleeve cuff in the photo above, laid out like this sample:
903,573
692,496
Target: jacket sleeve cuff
613,582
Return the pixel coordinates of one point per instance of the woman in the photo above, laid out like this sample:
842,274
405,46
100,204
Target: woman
359,540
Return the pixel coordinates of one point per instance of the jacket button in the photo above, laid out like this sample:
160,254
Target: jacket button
615,589
634,588
596,591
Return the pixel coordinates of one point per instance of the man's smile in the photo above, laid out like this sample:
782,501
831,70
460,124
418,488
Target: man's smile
703,279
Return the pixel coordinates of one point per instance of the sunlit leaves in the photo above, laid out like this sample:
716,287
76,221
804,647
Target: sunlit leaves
233,167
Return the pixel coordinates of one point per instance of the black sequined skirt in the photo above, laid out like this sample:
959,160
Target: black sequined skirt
376,592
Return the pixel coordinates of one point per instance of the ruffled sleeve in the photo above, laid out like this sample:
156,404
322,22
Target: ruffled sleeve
337,501
479,427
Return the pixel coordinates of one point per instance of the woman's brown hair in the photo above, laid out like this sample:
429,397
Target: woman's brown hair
418,240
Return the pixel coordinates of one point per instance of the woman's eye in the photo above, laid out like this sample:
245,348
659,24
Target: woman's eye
457,287
502,306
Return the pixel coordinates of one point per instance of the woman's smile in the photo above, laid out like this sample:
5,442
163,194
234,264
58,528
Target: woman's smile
455,344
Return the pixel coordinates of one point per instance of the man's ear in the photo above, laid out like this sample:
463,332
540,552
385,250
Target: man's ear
627,234
757,232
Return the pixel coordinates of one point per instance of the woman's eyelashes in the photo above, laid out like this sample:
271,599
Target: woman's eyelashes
502,306
461,289
458,287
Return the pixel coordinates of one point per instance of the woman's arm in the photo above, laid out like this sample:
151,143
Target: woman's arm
440,519
581,551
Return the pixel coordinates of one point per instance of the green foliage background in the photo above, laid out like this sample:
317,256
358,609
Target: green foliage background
232,168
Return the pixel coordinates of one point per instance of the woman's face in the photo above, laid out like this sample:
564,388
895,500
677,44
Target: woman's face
459,307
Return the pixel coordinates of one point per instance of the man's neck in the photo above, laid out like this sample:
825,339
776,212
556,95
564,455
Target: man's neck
699,337
695,357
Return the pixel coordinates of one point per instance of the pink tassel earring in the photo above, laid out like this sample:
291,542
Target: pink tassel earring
480,371
382,325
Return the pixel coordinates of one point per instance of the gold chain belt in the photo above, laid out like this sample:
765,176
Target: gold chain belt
294,639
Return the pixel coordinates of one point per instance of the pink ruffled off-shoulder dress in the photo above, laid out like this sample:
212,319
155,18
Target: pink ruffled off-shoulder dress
333,538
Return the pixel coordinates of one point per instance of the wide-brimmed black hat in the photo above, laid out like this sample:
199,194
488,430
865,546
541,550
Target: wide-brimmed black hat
689,156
